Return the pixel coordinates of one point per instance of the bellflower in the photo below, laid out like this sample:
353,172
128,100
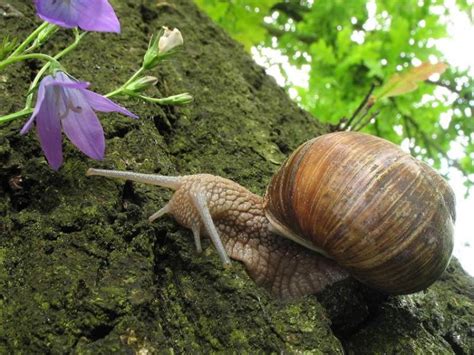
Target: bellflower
95,15
64,103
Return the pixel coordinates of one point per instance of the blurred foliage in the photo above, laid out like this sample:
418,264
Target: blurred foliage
7,46
347,47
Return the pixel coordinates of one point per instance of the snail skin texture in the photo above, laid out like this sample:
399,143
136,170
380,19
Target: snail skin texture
343,203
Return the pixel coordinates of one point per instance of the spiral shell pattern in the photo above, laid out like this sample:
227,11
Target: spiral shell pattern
377,211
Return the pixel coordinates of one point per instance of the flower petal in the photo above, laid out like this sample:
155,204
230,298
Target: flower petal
73,85
64,80
82,126
170,39
59,78
39,101
103,104
61,12
49,129
97,15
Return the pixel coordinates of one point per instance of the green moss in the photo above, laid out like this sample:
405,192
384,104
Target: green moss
3,254
438,320
81,269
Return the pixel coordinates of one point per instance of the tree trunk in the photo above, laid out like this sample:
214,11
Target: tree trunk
82,270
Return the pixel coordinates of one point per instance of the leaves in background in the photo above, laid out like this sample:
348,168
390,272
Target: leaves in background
342,48
241,18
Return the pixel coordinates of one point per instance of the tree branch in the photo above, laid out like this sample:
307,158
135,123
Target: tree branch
291,9
362,124
365,104
409,135
430,143
444,85
278,32
467,95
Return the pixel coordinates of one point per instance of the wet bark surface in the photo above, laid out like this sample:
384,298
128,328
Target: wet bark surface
82,270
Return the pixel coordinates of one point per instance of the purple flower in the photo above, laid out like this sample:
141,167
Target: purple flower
64,102
89,15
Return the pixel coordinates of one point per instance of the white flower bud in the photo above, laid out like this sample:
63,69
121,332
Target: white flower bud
169,40
142,83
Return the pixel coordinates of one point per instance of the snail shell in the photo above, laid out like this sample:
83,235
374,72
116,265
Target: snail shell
362,201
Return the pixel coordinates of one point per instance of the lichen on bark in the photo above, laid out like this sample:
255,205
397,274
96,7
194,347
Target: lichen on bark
82,270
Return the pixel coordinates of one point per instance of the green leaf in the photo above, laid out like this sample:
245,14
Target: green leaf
323,52
7,46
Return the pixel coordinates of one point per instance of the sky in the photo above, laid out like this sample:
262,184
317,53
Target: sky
459,51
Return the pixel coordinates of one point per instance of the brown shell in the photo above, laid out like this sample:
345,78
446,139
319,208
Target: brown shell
380,213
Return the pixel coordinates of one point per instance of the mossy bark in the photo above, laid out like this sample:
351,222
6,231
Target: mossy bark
82,270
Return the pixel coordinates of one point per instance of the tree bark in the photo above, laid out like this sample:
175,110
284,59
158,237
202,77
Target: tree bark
82,270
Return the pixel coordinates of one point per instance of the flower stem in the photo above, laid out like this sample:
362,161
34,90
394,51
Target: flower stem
29,99
21,48
14,115
20,58
179,99
77,39
121,88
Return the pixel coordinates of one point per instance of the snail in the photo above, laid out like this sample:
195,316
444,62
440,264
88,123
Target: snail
345,203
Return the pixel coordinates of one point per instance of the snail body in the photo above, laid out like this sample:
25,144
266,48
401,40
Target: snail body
353,203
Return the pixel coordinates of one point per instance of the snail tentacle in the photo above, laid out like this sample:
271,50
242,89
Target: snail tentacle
199,201
189,205
197,238
161,212
172,182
